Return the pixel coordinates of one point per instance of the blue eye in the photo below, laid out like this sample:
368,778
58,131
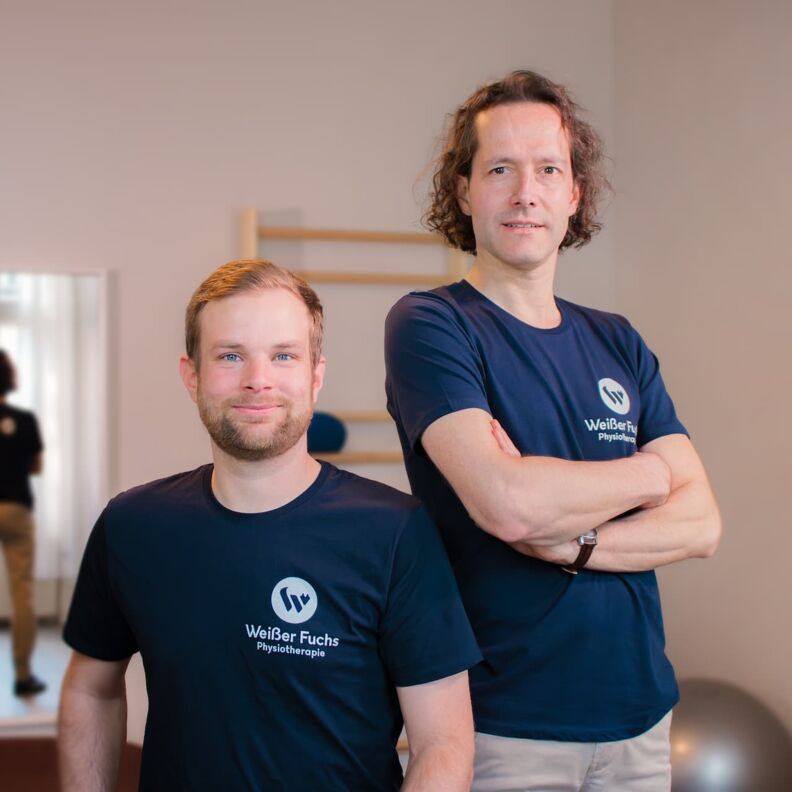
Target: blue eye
283,356
231,357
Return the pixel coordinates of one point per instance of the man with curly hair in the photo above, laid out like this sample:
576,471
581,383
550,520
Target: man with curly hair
542,438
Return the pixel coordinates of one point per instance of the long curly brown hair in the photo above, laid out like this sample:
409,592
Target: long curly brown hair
444,214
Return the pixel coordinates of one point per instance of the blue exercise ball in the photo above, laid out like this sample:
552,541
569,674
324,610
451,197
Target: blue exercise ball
726,740
326,433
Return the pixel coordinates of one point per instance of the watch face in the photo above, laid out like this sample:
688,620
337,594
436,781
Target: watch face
589,538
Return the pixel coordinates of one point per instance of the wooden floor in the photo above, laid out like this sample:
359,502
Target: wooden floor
29,764
33,715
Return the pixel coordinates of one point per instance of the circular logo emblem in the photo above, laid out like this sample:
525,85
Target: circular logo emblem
294,600
614,396
8,425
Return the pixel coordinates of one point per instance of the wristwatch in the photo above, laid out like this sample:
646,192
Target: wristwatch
587,542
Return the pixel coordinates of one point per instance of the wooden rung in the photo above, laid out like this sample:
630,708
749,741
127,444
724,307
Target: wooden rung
363,416
373,278
360,457
337,235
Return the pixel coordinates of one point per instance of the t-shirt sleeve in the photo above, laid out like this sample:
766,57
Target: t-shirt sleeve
425,634
433,366
96,626
658,417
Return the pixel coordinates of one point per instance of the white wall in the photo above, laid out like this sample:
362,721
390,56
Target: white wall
703,130
133,136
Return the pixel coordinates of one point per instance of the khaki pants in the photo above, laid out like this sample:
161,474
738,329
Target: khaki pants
16,535
640,764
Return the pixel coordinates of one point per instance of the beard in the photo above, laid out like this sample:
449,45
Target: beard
246,441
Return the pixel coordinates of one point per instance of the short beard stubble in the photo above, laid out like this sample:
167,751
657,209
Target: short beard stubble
231,438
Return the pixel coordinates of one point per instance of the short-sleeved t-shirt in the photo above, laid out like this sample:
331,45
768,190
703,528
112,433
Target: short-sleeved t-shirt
575,658
20,442
272,642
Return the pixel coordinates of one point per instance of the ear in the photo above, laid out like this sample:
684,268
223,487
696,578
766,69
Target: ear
318,378
189,375
575,200
463,193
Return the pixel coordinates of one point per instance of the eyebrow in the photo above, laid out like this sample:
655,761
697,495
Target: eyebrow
279,345
290,345
494,160
545,160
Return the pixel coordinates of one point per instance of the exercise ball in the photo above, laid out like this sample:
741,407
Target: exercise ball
726,740
326,433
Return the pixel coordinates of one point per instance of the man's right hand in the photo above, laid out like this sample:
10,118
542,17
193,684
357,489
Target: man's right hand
658,474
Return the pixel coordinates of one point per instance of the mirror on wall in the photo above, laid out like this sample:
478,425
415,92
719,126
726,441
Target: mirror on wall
53,328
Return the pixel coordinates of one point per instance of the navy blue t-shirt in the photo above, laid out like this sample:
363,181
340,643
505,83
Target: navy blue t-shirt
272,642
575,658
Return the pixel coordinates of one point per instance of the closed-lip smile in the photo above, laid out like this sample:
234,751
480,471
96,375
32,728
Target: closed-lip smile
256,408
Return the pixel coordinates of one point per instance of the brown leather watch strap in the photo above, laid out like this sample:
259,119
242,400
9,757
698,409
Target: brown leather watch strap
587,541
582,559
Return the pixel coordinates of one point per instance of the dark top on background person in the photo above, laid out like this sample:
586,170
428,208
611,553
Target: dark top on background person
20,456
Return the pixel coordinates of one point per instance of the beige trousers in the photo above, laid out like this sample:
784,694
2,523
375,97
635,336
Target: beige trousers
16,535
640,764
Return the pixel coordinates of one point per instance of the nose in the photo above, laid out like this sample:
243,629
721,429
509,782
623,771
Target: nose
258,375
525,189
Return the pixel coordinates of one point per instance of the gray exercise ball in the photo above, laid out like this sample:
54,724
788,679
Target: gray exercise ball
725,740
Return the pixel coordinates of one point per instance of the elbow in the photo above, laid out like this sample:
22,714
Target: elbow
710,536
510,516
497,521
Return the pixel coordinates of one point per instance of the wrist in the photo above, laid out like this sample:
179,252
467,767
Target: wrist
585,544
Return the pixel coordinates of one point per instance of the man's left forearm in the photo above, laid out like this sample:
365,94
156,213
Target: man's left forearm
439,724
443,767
687,525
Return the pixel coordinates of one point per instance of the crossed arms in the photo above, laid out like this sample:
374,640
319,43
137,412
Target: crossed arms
539,505
92,729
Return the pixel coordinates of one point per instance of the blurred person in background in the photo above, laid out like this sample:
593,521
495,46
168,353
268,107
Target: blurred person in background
20,456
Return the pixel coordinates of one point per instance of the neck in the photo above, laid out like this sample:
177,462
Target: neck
261,486
527,294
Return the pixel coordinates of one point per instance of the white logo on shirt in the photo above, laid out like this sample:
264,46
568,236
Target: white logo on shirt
614,396
294,600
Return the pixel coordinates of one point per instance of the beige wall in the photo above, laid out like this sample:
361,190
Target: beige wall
131,139
703,130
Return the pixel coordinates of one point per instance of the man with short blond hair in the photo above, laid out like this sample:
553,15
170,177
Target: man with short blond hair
288,613
542,439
